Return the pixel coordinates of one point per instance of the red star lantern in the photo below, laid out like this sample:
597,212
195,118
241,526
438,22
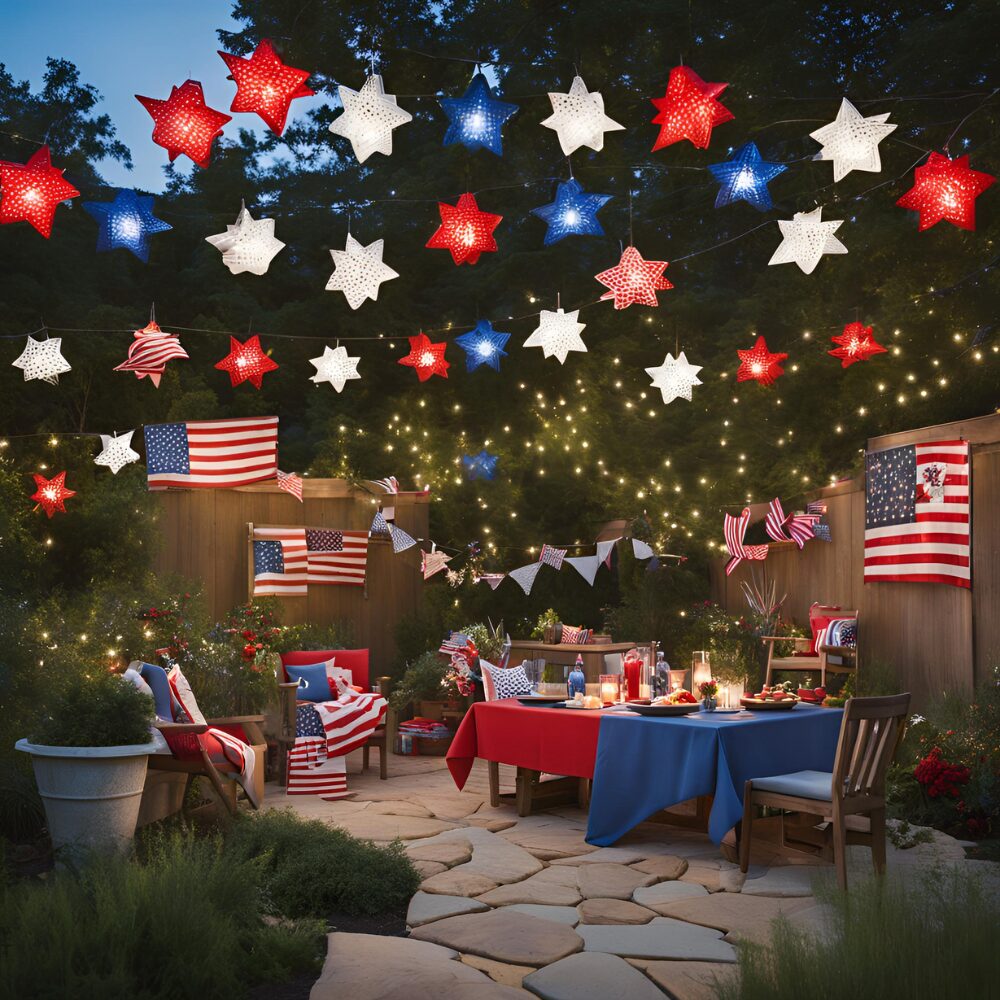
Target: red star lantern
464,230
51,494
856,343
759,364
633,279
426,358
689,109
265,86
32,191
246,362
946,189
183,123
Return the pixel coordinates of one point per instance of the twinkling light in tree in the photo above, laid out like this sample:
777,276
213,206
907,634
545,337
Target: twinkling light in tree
246,362
759,364
481,466
51,494
426,358
634,280
42,359
477,117
465,231
744,177
806,238
851,140
945,189
126,223
483,346
358,271
30,192
557,334
149,353
370,115
335,366
265,86
689,109
856,343
675,378
184,124
578,118
572,213
249,245
116,451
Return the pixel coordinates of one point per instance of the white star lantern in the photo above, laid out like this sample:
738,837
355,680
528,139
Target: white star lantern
335,367
851,140
358,271
249,245
675,378
42,359
578,118
116,451
370,115
806,239
557,334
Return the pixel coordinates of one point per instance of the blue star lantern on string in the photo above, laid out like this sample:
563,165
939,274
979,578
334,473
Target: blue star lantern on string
483,346
126,222
477,117
745,177
481,466
572,213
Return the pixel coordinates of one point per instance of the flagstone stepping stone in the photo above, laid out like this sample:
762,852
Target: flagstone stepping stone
613,911
492,856
611,881
715,876
604,855
560,914
425,869
427,906
735,914
536,889
688,980
458,882
507,937
665,868
499,972
549,842
367,825
399,808
662,937
654,896
493,825
789,880
591,976
450,806
445,854
559,875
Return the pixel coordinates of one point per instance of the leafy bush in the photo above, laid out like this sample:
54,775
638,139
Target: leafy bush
424,680
102,711
548,617
488,639
22,814
308,869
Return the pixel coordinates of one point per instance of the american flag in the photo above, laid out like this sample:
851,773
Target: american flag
917,514
290,483
552,556
336,556
455,643
280,561
211,454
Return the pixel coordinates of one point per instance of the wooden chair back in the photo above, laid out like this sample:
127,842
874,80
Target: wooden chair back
869,735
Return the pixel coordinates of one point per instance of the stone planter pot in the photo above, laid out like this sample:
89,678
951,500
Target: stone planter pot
91,794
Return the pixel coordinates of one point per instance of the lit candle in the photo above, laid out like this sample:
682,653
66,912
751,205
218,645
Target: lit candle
610,688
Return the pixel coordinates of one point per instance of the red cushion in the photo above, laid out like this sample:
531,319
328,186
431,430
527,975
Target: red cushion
355,660
819,618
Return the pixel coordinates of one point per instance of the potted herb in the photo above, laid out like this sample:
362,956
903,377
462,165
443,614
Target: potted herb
548,627
89,753
423,686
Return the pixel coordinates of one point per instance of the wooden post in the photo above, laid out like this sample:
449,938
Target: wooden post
249,560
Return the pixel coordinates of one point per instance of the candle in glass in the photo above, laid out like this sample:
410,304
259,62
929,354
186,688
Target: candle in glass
610,688
632,668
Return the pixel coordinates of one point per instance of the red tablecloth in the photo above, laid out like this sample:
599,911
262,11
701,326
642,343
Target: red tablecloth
554,740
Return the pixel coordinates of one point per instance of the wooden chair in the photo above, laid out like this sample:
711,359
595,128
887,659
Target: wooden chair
820,662
870,733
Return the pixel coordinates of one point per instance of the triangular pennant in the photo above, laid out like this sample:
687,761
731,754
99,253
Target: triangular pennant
604,550
379,525
641,550
552,556
524,576
653,565
401,541
433,562
586,566
493,579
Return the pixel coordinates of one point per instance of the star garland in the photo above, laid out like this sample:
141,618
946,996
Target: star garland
127,222
465,231
426,358
578,118
759,364
246,362
477,117
483,346
370,115
573,212
634,280
183,124
359,271
31,192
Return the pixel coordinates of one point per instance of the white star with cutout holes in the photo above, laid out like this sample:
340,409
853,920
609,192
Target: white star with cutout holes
851,140
675,378
370,115
42,359
806,239
358,271
578,118
335,367
249,245
557,334
116,451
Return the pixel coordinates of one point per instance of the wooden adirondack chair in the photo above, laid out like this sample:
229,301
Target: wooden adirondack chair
846,657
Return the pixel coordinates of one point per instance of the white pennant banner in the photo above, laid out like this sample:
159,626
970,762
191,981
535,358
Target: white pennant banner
641,549
401,540
586,566
493,579
524,576
604,549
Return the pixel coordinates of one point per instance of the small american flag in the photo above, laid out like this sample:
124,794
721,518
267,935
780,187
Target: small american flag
552,556
455,643
280,562
816,507
336,557
917,514
290,483
211,454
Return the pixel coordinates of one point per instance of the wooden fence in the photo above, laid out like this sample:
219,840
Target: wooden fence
937,637
205,538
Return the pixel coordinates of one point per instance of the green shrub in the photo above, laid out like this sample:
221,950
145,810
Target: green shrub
308,869
22,814
423,681
183,922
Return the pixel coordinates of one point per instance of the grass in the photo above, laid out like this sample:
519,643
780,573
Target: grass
931,938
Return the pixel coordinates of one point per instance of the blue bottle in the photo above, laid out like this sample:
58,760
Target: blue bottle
577,681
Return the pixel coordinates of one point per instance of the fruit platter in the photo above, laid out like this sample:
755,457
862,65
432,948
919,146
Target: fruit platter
812,695
772,698
679,702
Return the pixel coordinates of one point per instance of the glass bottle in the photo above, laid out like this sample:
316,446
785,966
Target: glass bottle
661,677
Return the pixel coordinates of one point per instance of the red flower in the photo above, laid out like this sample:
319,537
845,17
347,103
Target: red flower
938,777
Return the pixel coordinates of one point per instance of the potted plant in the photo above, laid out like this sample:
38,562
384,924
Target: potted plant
423,686
89,754
548,627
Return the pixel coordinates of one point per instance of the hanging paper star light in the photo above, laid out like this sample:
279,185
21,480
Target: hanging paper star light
557,334
465,231
42,359
116,451
246,362
477,117
150,351
744,177
184,124
426,358
31,192
483,346
127,222
578,118
633,279
334,366
851,140
689,109
249,245
856,343
265,86
946,189
370,115
358,271
52,494
572,213
759,364
675,378
806,238
481,466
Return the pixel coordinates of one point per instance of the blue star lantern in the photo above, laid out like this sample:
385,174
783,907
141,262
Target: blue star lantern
483,346
477,117
745,177
126,222
481,466
573,213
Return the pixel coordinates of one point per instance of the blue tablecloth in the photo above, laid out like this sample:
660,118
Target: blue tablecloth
646,764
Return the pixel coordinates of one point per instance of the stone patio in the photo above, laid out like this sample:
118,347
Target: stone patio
524,907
